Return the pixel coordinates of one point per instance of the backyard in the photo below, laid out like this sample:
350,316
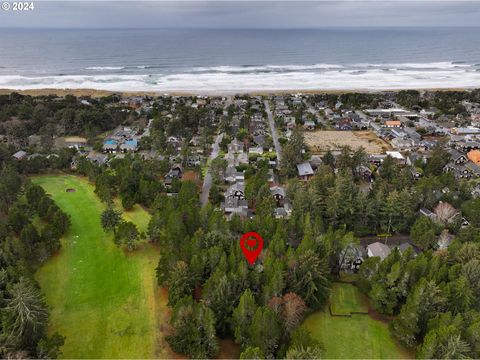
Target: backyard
104,300
353,333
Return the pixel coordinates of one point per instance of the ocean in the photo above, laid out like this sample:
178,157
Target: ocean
211,61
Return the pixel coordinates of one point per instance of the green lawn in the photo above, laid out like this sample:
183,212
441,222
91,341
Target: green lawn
358,336
347,299
104,300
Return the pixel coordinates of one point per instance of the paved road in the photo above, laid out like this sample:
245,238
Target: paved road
276,143
207,182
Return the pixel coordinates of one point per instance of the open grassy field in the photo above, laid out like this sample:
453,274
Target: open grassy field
104,300
322,140
347,300
358,336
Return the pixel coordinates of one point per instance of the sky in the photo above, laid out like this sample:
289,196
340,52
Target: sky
242,14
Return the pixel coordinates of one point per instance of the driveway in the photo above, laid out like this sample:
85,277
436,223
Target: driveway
276,143
207,182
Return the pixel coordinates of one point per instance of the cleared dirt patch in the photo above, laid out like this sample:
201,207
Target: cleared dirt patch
324,140
190,175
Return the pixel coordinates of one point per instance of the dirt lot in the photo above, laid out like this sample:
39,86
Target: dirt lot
321,141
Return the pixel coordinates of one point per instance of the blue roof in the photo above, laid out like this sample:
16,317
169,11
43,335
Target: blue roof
131,142
111,142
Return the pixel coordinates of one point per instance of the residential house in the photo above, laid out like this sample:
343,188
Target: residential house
305,170
378,249
278,193
234,206
236,190
309,125
110,146
405,246
473,168
476,192
457,157
291,125
397,156
175,172
20,155
260,140
315,161
467,146
352,257
427,213
466,131
376,159
344,125
233,176
393,123
365,172
280,213
130,145
97,158
235,146
459,171
415,172
402,143
72,142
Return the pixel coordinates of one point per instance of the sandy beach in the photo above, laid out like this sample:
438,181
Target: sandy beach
94,93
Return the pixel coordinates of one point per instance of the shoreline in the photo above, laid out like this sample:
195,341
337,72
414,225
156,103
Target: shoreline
96,93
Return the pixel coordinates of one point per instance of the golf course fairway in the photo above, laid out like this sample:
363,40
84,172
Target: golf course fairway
103,299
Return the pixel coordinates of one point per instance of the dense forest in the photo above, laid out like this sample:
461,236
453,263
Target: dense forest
48,116
31,225
213,292
434,296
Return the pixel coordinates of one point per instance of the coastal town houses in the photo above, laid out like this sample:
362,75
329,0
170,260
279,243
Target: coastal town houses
305,171
235,202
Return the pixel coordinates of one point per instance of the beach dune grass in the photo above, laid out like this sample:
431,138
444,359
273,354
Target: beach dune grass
358,336
103,300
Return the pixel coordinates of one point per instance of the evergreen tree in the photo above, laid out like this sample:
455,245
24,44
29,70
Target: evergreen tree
265,331
110,219
242,317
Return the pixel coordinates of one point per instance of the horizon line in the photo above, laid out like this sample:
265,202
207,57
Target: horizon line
243,28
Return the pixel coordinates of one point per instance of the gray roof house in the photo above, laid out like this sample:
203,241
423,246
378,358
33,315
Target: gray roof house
278,192
235,146
473,168
305,170
236,190
20,155
378,249
309,125
457,157
97,158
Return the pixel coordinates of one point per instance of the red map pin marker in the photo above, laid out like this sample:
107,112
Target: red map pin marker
252,245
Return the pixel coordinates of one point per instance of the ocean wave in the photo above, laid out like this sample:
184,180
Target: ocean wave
270,68
339,79
264,68
431,65
99,68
